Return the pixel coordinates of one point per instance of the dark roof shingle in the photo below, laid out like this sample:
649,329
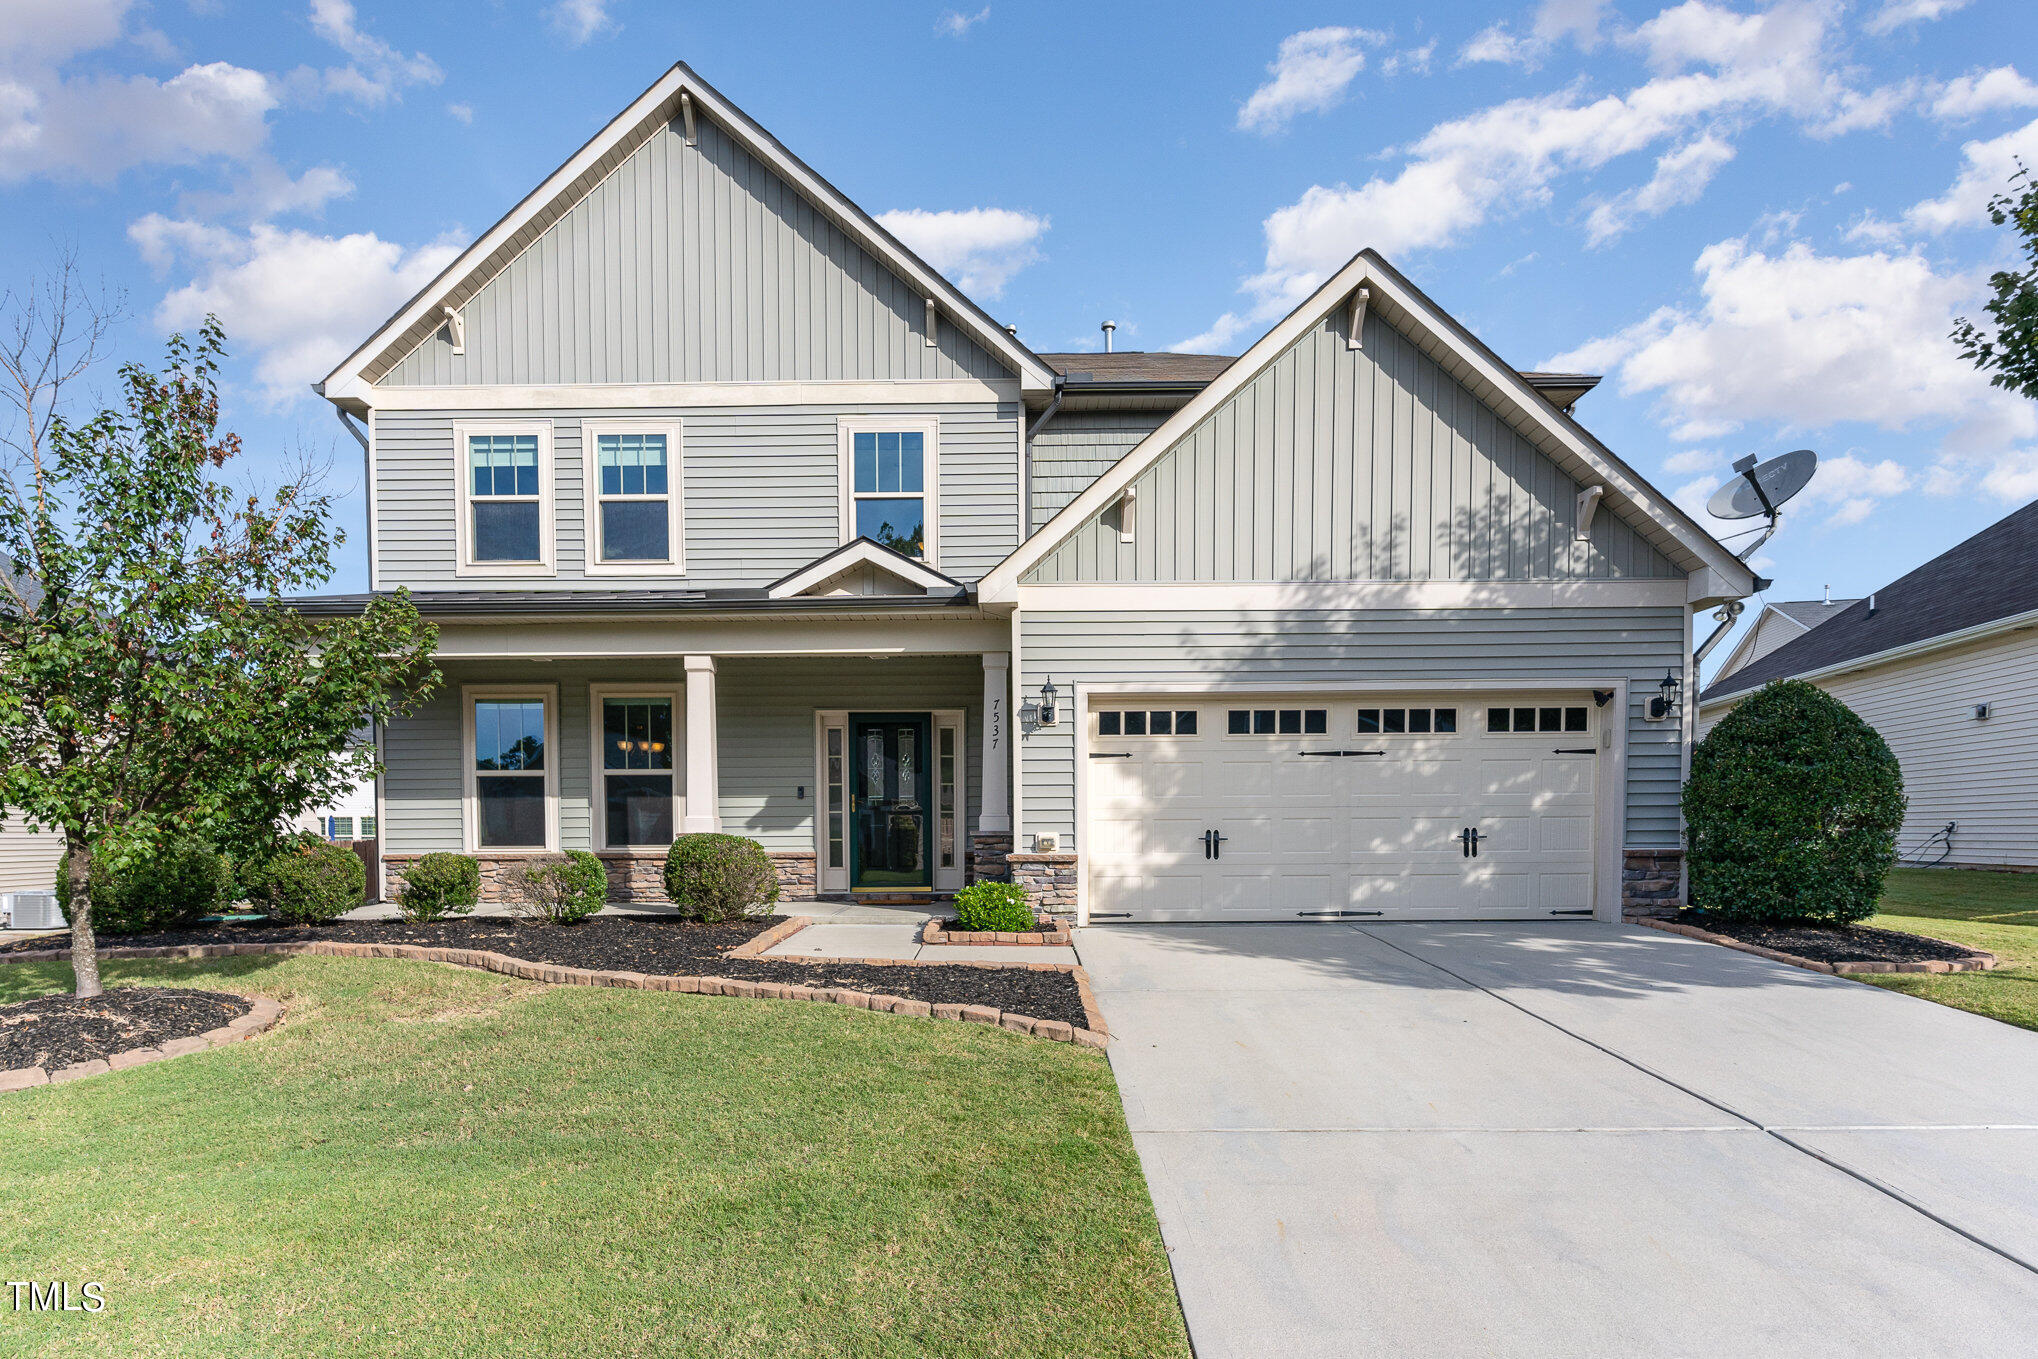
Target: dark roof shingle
1136,366
1991,576
1811,612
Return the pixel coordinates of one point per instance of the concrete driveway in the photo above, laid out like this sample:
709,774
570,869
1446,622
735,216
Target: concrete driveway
1567,1140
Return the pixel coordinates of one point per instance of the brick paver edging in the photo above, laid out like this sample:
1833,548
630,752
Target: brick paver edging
260,1019
1051,934
773,937
1980,962
1095,1036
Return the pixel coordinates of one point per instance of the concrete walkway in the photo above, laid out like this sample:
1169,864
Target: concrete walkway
1567,1140
845,930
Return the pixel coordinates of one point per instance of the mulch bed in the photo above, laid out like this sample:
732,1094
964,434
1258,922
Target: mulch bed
1833,944
56,1031
657,946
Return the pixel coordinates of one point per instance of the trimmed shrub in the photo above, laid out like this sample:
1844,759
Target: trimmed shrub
1792,811
439,885
558,891
714,878
986,905
308,882
178,884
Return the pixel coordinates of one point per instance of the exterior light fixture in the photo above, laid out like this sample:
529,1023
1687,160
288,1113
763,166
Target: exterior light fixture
1048,713
1665,703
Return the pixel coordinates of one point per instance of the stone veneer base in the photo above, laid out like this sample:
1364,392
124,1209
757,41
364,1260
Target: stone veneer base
260,1019
1980,962
1094,1036
1050,882
1051,934
1651,883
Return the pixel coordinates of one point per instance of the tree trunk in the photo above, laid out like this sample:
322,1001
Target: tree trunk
84,949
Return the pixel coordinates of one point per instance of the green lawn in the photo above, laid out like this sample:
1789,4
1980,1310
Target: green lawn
432,1161
1994,911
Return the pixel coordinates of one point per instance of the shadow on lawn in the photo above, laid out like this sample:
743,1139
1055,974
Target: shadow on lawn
26,981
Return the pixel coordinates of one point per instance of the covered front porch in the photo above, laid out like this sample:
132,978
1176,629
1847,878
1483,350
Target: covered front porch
856,752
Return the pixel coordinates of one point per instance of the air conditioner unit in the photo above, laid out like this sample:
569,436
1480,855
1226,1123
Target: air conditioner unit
32,911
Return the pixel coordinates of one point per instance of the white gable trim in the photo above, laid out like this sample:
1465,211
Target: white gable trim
347,383
860,552
1391,295
1769,611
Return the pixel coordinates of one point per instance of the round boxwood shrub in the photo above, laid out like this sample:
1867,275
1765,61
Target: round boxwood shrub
1792,811
989,905
714,878
186,879
439,885
308,882
559,891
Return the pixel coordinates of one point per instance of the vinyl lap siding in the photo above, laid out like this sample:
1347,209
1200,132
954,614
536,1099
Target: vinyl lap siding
759,484
694,264
1076,448
1343,464
1312,646
1982,774
28,859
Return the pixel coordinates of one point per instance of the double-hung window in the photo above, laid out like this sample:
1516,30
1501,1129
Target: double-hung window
637,758
512,774
505,475
890,491
633,517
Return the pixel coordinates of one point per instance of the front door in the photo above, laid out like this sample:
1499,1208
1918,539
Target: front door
890,800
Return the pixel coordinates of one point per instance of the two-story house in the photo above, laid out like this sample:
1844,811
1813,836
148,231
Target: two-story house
735,515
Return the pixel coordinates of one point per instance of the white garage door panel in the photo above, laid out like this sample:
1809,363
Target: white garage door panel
1376,835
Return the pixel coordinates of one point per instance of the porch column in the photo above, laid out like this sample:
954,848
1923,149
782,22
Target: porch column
996,814
703,768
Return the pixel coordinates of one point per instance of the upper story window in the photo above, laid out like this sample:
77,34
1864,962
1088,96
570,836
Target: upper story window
889,475
633,515
505,498
512,783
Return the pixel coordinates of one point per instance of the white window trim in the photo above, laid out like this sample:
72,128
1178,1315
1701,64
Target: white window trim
463,478
929,427
598,796
953,719
591,497
470,804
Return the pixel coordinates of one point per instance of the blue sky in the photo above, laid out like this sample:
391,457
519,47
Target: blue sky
1758,221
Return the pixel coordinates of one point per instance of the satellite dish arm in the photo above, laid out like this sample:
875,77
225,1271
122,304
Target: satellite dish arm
1726,614
1768,532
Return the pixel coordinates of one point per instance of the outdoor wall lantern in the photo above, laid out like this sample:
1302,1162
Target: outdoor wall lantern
1048,714
1665,703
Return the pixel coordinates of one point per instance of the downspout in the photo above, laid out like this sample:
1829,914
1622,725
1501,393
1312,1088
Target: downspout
1026,472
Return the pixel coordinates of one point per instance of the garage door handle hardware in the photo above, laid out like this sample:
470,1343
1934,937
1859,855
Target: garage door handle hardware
1468,839
1213,845
1575,750
1315,915
1110,915
1110,754
1586,911
1346,753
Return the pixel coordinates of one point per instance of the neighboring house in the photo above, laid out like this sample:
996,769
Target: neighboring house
28,856
735,515
1776,624
1944,663
351,817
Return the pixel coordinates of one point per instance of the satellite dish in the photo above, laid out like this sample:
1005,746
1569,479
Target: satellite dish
1761,488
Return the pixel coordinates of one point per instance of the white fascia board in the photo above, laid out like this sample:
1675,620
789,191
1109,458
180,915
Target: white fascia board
1034,374
861,552
1980,632
651,395
1367,269
1273,596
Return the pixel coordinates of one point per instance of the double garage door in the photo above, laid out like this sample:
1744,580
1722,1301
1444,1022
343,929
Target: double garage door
1413,807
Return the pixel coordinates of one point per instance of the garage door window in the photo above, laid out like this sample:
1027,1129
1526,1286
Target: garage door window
1278,721
1408,721
1147,722
1528,721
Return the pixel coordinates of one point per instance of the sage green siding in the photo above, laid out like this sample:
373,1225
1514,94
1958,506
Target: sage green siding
1313,646
760,486
1352,464
1076,448
694,264
766,720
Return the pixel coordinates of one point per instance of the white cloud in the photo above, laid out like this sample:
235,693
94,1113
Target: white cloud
1412,60
378,71
461,113
47,32
1690,460
979,248
1217,339
1986,167
580,22
1979,92
1311,71
300,302
93,128
1802,340
1896,14
2012,475
956,24
1681,177
1496,45
1555,20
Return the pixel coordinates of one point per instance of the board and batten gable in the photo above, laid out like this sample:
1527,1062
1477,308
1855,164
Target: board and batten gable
694,264
759,486
1335,463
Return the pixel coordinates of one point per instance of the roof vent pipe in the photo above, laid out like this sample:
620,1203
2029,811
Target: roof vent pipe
1829,594
1871,604
1109,326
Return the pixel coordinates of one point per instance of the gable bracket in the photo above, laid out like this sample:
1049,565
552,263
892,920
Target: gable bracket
1128,505
1588,505
933,320
686,113
1356,319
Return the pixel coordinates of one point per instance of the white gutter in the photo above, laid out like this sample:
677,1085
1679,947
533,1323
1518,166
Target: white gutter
1943,641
